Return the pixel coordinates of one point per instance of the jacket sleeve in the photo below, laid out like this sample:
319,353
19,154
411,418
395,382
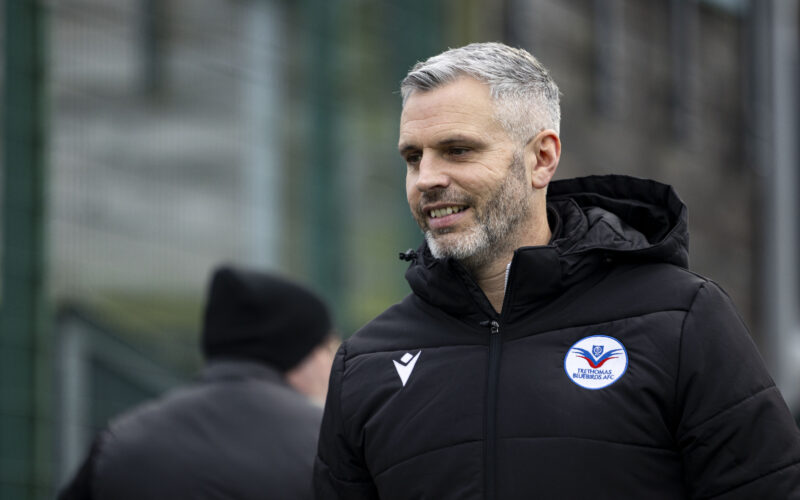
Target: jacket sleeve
339,468
736,435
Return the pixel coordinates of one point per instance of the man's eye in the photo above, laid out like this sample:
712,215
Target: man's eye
458,151
413,158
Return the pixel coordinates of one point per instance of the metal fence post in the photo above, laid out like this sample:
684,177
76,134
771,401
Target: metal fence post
776,57
24,394
324,214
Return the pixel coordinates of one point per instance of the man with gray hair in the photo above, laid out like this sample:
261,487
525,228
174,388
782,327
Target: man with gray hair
554,345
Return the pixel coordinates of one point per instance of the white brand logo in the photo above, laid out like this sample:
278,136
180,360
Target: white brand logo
405,366
596,362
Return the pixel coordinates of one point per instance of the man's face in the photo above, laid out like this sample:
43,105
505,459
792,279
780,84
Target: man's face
466,183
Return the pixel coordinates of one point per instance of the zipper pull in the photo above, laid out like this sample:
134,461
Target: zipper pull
495,327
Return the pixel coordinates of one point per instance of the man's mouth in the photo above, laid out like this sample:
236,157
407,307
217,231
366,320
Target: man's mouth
442,212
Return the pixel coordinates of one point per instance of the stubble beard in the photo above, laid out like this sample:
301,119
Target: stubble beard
496,224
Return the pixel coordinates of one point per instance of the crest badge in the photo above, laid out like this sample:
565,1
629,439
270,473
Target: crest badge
596,362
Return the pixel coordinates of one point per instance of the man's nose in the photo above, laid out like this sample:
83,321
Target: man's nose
432,175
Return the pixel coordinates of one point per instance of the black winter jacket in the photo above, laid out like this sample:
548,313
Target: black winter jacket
612,372
238,433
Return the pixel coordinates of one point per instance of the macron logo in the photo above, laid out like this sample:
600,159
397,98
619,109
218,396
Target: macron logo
405,366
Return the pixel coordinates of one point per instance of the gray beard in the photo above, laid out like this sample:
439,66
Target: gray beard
502,215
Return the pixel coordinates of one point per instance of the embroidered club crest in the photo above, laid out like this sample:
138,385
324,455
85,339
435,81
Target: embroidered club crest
596,362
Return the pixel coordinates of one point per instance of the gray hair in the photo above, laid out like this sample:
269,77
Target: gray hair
526,97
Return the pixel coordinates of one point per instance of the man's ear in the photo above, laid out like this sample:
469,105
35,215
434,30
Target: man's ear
542,154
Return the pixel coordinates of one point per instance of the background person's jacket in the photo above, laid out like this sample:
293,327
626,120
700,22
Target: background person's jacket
439,397
239,432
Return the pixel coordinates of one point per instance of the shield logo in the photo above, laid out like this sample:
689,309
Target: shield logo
597,350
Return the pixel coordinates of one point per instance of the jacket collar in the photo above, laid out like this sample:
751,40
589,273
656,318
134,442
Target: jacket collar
236,369
593,219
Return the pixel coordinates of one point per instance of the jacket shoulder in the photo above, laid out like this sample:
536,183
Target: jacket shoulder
628,290
640,289
657,286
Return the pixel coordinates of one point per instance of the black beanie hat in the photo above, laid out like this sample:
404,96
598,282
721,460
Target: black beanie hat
258,316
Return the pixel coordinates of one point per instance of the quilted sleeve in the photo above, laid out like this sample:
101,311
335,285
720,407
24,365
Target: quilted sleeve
339,469
736,435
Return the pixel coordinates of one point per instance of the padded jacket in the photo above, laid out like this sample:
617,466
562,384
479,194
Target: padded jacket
239,432
611,372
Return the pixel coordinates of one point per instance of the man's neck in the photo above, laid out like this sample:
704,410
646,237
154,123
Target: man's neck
492,280
491,277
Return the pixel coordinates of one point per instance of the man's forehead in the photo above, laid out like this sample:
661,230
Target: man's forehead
463,107
464,89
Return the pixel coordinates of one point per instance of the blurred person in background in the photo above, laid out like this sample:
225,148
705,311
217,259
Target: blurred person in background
248,427
555,346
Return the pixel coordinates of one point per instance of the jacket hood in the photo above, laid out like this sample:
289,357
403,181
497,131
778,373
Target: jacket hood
622,215
594,220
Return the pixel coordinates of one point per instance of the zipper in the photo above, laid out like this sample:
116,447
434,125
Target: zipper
493,373
495,350
490,446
